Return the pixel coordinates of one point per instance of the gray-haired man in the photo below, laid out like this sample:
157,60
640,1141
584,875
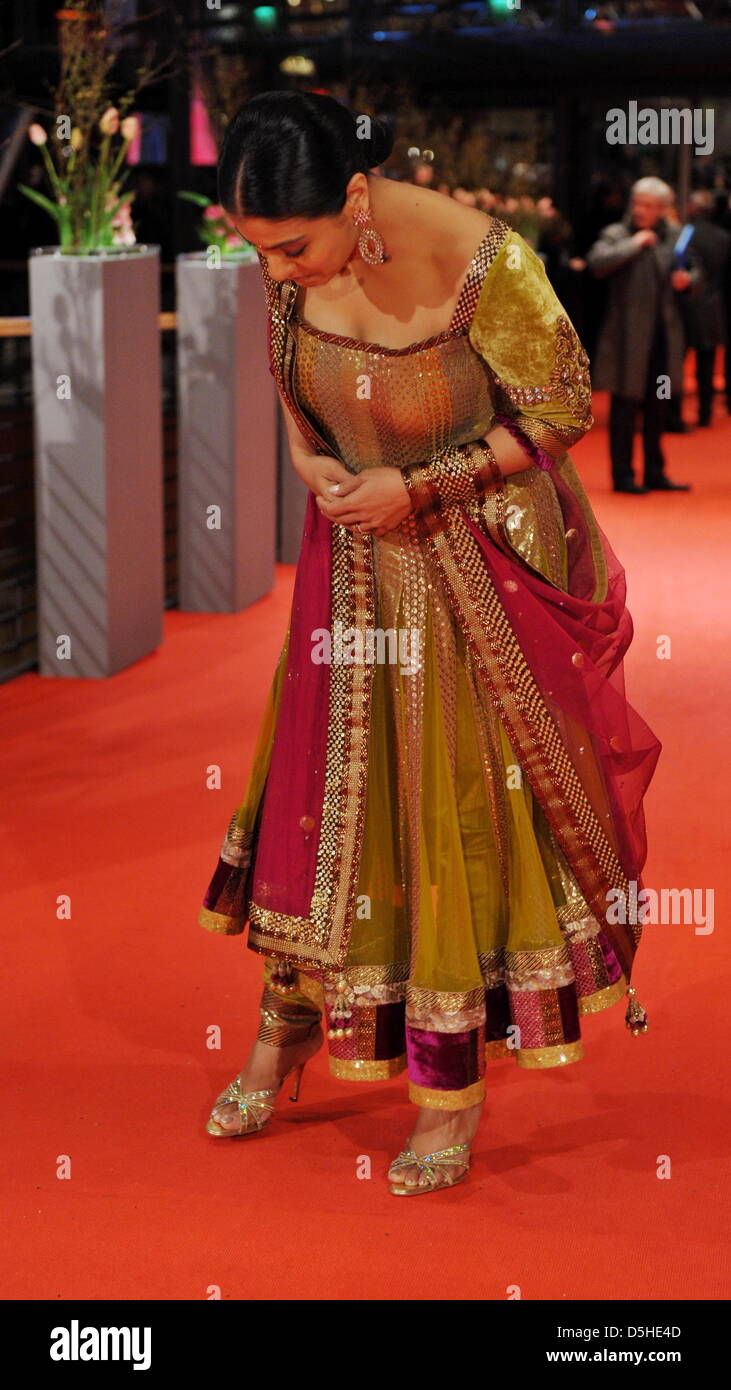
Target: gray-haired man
641,344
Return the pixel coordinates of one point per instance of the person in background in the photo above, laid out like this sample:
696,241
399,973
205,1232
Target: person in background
674,422
565,270
607,201
641,339
706,318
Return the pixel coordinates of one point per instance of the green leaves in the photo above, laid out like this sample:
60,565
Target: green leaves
41,200
199,198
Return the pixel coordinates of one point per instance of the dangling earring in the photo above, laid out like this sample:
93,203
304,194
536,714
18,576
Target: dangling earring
370,243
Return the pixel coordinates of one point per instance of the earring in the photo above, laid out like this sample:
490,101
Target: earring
370,243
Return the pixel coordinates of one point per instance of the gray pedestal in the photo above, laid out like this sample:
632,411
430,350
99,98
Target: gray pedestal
98,452
227,437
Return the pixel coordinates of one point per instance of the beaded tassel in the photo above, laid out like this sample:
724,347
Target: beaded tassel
636,1016
340,1021
283,977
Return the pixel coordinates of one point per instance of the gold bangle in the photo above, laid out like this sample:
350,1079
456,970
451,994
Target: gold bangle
498,477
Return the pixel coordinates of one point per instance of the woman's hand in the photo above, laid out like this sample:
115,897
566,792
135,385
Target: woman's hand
376,500
319,472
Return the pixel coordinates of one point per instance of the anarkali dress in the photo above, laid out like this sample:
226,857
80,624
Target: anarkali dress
440,844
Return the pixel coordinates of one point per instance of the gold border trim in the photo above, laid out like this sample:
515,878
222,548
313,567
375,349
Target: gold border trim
594,1003
558,1056
424,1001
447,1100
349,1069
216,921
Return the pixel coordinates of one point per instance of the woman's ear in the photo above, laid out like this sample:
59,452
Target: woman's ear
356,192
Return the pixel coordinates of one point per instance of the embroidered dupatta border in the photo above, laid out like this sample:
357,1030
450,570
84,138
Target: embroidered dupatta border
530,727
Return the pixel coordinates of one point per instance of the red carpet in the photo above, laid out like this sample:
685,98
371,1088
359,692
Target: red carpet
106,1013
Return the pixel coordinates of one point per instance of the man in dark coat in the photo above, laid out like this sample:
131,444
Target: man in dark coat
705,313
641,343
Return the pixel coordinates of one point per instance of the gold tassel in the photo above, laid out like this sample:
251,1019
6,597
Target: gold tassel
636,1016
341,1025
283,977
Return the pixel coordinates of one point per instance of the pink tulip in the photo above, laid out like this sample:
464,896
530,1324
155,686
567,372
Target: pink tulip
130,127
124,237
36,134
109,122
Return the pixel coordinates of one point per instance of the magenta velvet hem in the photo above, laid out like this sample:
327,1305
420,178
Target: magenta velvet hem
445,1061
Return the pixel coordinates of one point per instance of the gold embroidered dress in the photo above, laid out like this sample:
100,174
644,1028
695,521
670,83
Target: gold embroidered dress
445,921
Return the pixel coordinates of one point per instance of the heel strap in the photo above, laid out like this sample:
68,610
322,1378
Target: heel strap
450,1155
456,1154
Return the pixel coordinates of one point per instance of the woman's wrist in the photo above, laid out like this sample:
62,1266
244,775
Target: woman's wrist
521,453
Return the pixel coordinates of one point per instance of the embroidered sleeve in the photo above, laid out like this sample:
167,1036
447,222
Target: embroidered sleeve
460,474
539,368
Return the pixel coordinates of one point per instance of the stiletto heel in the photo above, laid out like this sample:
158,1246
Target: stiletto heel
279,1029
297,1081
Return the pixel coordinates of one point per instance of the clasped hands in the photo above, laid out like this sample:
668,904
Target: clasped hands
373,502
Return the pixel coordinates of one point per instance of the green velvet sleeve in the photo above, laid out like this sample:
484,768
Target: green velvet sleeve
539,367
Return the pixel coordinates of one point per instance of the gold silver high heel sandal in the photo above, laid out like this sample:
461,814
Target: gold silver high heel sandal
257,1107
436,1165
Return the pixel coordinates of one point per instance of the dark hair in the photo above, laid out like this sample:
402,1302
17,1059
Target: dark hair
292,154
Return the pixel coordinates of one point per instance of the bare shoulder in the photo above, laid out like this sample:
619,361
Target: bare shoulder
452,231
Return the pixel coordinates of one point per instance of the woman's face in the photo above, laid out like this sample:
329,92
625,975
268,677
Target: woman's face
308,250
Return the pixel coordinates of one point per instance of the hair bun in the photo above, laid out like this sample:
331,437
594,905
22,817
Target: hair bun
292,154
378,146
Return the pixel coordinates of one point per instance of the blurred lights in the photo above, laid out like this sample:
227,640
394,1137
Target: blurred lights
265,17
297,65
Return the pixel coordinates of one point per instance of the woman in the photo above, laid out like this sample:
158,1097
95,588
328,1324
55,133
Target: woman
444,815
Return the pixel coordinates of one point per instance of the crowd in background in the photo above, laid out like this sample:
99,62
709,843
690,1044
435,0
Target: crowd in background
619,271
644,287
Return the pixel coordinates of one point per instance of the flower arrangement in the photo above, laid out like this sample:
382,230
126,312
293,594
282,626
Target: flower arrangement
90,137
215,230
90,212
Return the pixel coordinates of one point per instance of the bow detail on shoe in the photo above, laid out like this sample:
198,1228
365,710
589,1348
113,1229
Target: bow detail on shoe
257,1106
435,1166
